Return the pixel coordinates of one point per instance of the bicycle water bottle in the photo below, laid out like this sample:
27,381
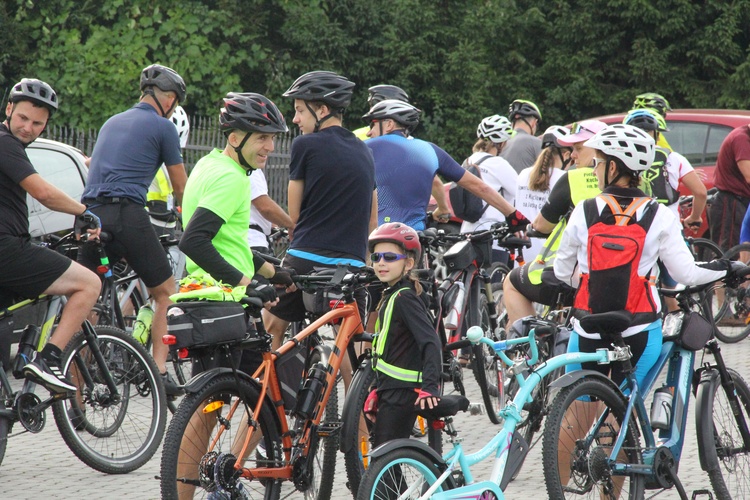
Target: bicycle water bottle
26,348
661,408
142,324
308,396
453,319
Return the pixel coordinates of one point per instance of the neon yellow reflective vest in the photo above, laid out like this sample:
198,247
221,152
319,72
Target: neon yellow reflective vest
361,133
160,188
583,185
378,346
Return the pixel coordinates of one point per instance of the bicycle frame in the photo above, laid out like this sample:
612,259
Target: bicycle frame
351,325
502,442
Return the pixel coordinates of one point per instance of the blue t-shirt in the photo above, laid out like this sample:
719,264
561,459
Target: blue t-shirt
404,171
130,148
339,176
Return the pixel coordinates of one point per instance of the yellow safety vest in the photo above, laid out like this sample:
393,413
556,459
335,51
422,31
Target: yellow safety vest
160,189
378,345
361,133
583,185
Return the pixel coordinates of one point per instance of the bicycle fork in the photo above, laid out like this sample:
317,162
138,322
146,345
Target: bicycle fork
83,370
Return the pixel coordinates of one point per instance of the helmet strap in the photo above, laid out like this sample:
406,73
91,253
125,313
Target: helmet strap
151,93
318,121
240,157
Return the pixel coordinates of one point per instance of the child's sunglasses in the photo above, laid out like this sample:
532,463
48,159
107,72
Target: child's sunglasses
388,256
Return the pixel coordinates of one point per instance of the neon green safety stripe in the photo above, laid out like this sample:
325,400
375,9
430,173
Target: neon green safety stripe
378,345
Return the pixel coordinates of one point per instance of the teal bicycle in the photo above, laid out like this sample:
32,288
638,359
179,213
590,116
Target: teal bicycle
617,450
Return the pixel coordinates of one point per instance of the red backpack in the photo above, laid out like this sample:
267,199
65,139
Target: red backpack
615,247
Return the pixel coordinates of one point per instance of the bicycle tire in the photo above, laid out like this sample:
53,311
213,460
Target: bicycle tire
705,250
328,444
109,435
736,304
585,393
5,426
186,443
487,373
497,273
719,439
386,474
353,442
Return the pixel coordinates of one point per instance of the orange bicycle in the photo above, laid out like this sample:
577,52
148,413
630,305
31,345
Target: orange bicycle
227,413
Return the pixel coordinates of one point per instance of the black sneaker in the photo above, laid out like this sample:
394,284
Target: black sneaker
171,387
47,374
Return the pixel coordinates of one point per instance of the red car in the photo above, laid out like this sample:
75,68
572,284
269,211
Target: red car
697,134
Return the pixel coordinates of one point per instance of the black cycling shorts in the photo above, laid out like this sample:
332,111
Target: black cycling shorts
28,269
541,293
133,238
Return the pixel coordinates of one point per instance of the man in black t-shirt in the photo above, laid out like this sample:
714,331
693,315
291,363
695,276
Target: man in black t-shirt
30,270
332,197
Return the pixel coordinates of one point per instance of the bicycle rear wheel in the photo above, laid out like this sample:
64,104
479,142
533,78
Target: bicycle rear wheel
192,467
111,433
732,324
720,443
488,373
355,436
575,451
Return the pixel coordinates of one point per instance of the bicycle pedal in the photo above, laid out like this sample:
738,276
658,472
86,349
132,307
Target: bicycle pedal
707,493
476,409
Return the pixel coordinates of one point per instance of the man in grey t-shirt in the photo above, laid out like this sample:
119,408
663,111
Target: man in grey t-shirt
522,149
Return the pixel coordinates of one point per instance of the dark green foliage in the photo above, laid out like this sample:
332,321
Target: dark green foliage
459,60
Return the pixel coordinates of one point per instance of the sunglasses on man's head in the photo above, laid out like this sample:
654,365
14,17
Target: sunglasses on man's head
388,256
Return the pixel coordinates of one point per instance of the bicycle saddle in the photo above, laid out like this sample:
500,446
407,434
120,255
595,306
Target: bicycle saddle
446,407
608,323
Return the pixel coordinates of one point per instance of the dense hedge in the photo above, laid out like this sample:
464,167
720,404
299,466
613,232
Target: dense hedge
460,60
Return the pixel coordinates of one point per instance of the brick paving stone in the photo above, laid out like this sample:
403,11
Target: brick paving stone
41,466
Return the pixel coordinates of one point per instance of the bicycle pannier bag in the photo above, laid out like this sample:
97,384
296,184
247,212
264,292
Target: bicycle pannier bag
203,323
466,205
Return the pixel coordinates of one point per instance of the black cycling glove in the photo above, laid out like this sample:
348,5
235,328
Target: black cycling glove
265,292
87,220
516,221
283,276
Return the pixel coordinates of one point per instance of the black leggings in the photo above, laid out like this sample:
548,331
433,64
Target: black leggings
396,415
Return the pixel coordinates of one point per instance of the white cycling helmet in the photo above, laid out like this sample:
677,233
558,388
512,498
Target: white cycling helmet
630,144
496,128
553,135
180,120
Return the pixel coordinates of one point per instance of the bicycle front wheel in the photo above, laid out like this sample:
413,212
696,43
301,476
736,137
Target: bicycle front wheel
207,433
583,423
400,473
112,433
720,442
355,437
734,303
486,367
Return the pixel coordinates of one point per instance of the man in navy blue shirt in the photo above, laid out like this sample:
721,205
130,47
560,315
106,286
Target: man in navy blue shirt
131,147
332,197
405,168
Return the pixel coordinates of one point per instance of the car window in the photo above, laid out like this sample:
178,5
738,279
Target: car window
698,142
58,169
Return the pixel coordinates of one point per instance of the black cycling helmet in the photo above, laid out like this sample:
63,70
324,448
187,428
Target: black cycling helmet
521,109
36,91
382,92
251,113
324,86
401,112
165,78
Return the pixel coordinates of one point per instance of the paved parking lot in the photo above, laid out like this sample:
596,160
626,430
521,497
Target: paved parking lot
41,466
